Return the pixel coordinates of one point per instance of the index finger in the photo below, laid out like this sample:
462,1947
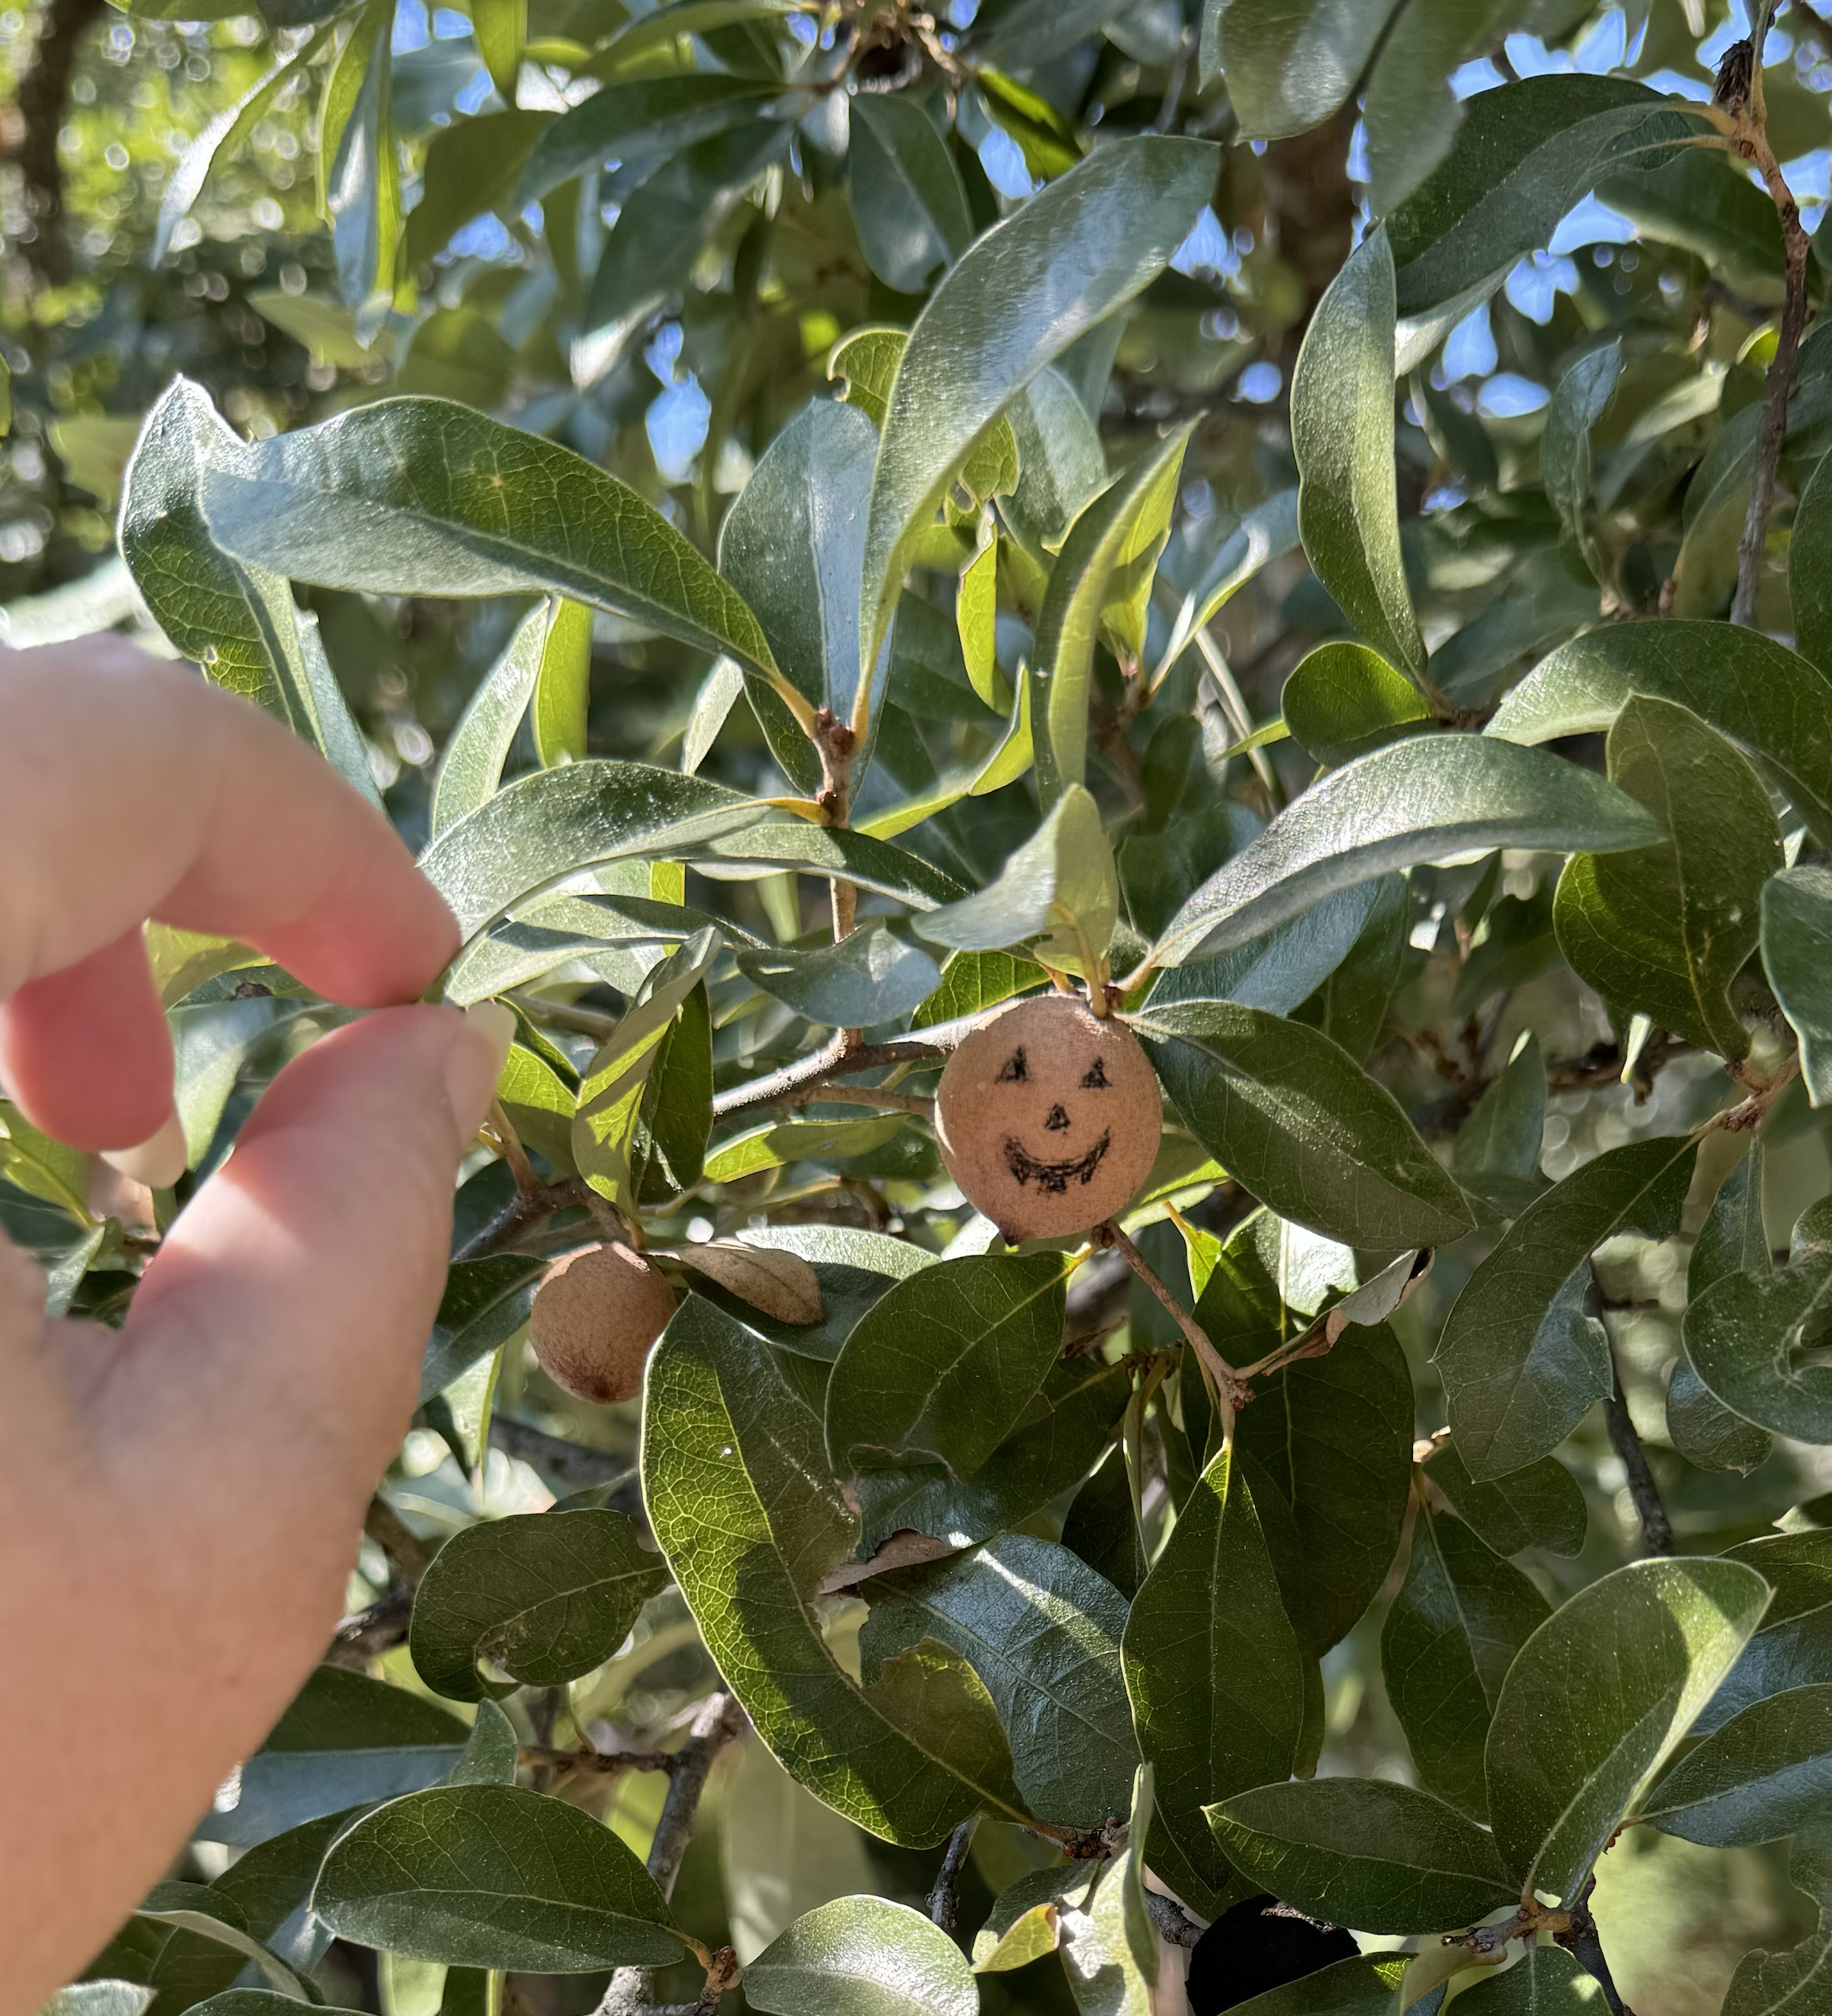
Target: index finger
131,788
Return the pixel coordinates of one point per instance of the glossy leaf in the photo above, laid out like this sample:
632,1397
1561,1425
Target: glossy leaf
544,1597
1765,1774
1360,1852
1041,1630
1214,1672
1342,437
489,1875
943,1367
1299,1123
563,685
485,1303
1293,965
1343,699
1461,1615
1017,298
906,194
425,497
646,119
1792,1646
1289,67
587,815
1428,798
1061,881
875,975
471,768
862,1956
1797,941
1520,1360
1619,1672
1663,931
1584,395
1546,1981
1763,697
1733,1240
735,1480
471,167
1411,109
1755,1339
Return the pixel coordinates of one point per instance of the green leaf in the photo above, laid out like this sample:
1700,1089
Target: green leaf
1018,297
611,1089
485,1303
1793,1648
1520,1360
1102,1525
792,543
1767,1773
471,767
1109,1947
1350,1007
1267,532
1461,1615
938,1701
1584,395
1733,1240
1111,553
1794,1982
544,1597
670,23
501,27
1763,696
359,167
1055,1444
1524,155
424,496
118,1998
646,120
974,981
1546,1981
1342,437
862,1956
660,232
906,190
1364,1987
735,1480
1061,881
1360,1852
542,829
1289,67
1756,1340
471,166
345,1741
1411,110
1662,931
41,1168
1344,699
239,623
1705,1432
490,1875
874,976
1495,1156
492,1755
854,1268
775,1144
1326,1446
1809,569
1619,1674
1796,942
1214,1672
1296,1122
1428,798
943,1367
563,685
1041,1630
195,1908
1044,137
1541,1504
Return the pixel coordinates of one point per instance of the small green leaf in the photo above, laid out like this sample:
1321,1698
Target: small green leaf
1521,1361
1756,1339
563,685
1344,699
1461,1615
862,1956
500,28
874,975
1289,67
1123,211
1109,1948
1583,396
1427,798
1792,1647
490,1875
1495,1156
543,1596
1214,1671
471,767
41,1168
471,166
485,1303
1619,1673
646,120
777,1143
1797,943
906,194
1541,1504
1809,569
1767,1773
1342,437
1662,931
1361,1852
1792,1983
1298,1123
493,1753
1546,1981
974,981
944,1365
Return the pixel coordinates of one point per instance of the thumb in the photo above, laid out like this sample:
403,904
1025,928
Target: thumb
280,1329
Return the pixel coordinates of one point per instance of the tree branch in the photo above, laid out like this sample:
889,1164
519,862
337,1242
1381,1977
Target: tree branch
943,1905
1172,1922
839,1059
39,101
1584,1946
1656,1530
570,1463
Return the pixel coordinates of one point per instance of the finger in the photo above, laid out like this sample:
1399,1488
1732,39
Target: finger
290,1302
132,789
86,1051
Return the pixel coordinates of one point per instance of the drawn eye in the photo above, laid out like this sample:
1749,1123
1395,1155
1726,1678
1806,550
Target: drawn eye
1014,1071
1095,1080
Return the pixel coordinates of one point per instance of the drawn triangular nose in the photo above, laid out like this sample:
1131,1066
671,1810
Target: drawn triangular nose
1057,1121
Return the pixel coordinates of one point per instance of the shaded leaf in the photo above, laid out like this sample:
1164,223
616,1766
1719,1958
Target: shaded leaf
862,1956
1289,67
1109,1948
471,767
906,194
1541,1504
1797,943
874,975
1343,699
1765,1774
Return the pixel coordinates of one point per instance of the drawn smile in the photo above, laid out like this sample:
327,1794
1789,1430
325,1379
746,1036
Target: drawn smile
1054,1178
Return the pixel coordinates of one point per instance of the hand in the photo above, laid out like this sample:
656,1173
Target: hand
179,1500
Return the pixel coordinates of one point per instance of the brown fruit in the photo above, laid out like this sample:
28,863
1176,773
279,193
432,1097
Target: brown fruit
595,1317
1048,1118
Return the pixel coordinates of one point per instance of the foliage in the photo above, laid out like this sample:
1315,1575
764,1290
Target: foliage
821,520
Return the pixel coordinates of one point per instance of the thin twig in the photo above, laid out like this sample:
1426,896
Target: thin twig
1226,1390
1625,1439
1580,1941
570,1463
838,1058
943,1904
862,1095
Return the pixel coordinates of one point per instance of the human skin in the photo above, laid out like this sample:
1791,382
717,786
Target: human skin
180,1499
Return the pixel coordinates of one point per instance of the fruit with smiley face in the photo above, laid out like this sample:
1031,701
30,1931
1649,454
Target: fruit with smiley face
595,1317
1048,1118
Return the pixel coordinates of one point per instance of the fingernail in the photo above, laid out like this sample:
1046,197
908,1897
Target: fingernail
473,1068
157,1163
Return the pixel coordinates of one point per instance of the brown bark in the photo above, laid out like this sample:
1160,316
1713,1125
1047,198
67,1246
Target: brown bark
44,90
